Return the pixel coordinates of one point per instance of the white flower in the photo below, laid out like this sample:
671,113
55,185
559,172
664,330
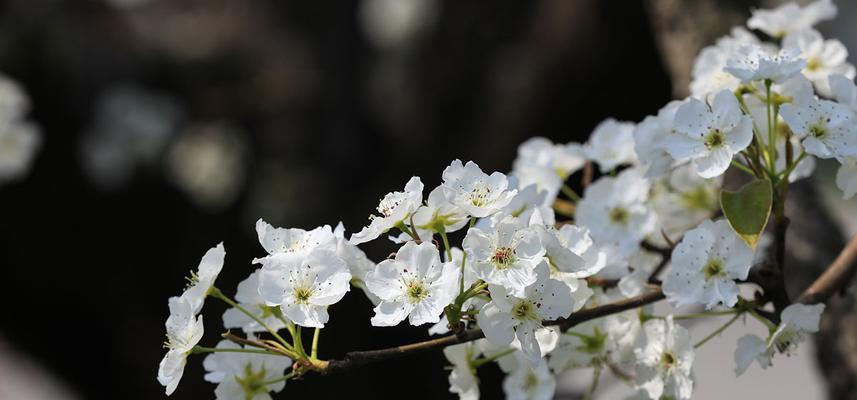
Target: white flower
583,345
614,210
474,191
683,201
651,138
462,378
184,331
530,382
664,358
705,264
844,91
19,142
797,320
643,264
570,250
754,63
249,298
203,279
303,288
823,58
827,128
525,203
438,211
791,17
846,177
242,376
393,209
508,317
708,74
414,285
294,243
505,254
546,164
710,136
611,144
356,260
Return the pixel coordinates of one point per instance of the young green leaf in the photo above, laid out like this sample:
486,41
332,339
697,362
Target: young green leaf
748,209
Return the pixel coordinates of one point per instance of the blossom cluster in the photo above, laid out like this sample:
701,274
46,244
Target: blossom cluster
534,252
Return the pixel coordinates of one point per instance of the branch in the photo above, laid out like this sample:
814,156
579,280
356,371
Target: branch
356,359
835,277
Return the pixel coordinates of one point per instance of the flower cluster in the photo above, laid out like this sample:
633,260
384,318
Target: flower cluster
538,263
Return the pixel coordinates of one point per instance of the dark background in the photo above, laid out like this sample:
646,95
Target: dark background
86,272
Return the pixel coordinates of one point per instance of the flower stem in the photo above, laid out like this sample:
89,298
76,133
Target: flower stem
215,292
315,335
200,350
596,376
441,230
570,193
482,361
720,330
280,379
743,167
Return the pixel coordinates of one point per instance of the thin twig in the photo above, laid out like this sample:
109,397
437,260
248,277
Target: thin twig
356,359
835,277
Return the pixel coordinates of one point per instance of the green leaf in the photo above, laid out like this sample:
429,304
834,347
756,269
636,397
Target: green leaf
748,209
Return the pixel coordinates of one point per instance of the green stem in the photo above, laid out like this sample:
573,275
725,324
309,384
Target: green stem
596,375
215,292
299,345
570,193
441,230
772,138
286,377
742,167
716,332
404,228
695,315
314,351
200,350
768,324
482,361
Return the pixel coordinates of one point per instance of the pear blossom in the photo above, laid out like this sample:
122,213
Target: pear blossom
824,58
393,209
530,382
827,128
571,251
664,357
462,379
797,321
475,192
582,345
651,138
790,17
414,285
708,76
682,200
242,376
755,63
282,243
14,103
508,317
710,136
439,212
525,203
19,142
356,260
705,265
303,288
611,144
505,254
184,331
547,165
615,211
844,90
203,279
248,297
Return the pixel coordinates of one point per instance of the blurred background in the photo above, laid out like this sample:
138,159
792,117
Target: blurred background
171,125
